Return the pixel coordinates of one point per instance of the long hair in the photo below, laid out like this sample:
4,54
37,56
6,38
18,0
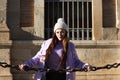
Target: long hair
54,43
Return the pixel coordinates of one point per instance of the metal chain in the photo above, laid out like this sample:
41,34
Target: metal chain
108,66
92,68
5,65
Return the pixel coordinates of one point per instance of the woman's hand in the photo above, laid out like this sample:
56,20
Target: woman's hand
86,67
21,66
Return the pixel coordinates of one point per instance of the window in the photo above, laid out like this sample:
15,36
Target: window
26,13
109,13
77,15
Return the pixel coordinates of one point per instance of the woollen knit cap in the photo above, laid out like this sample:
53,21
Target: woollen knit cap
60,24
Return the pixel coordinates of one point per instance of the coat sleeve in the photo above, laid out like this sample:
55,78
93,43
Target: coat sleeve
37,59
76,61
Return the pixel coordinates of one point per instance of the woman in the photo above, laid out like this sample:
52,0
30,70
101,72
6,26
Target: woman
56,53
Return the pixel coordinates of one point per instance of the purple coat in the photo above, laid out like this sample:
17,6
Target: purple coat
72,60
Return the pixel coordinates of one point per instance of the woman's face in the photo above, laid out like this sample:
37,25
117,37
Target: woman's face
60,33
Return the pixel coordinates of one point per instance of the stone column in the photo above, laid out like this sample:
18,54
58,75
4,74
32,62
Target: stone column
39,18
97,19
118,17
5,42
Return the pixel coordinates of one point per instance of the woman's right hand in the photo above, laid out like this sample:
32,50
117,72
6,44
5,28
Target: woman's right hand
21,66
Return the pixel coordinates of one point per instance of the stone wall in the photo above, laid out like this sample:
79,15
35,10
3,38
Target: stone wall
96,53
20,52
100,53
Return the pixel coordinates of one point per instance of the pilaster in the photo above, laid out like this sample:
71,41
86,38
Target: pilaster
97,20
118,17
39,18
4,42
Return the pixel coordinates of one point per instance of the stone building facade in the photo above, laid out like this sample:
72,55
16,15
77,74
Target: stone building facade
21,37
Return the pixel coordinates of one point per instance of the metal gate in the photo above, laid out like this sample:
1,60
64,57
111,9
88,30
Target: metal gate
77,15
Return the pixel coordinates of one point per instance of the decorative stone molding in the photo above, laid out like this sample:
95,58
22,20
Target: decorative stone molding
97,44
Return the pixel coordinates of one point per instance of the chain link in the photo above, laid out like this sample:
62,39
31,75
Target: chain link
92,68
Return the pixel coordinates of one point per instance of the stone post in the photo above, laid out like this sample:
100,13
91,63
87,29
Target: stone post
5,42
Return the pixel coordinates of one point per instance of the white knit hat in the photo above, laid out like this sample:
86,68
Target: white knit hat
60,24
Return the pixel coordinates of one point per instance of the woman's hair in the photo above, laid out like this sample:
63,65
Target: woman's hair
53,44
